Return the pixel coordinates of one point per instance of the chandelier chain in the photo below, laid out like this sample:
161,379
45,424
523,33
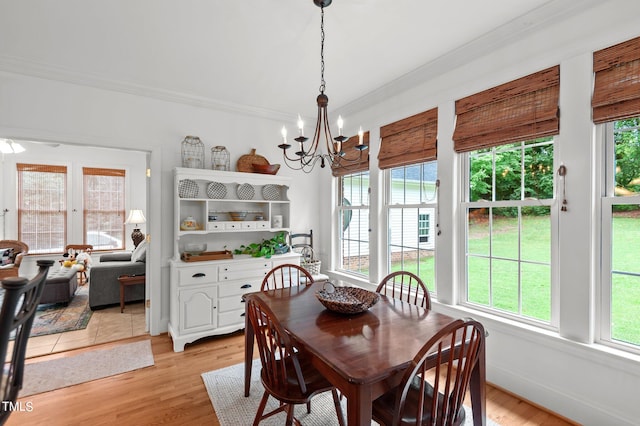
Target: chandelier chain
322,83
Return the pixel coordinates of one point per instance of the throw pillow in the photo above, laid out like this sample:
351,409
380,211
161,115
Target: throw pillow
6,256
140,252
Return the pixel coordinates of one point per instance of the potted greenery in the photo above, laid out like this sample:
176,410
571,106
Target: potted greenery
266,248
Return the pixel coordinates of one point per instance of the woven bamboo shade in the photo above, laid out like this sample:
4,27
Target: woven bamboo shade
616,93
348,147
523,109
409,141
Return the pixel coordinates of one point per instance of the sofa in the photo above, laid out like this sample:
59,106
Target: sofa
104,287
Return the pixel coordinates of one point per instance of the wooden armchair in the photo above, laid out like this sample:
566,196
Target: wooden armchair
21,298
406,286
286,275
434,385
287,375
19,250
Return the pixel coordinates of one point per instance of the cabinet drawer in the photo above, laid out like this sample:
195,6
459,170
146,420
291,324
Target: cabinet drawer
215,226
263,224
239,275
231,318
248,225
233,225
258,264
232,303
201,275
238,288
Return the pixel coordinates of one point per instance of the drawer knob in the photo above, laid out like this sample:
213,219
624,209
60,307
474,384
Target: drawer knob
199,275
242,314
246,286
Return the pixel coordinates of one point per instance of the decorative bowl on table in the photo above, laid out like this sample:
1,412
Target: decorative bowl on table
195,249
346,300
267,169
238,216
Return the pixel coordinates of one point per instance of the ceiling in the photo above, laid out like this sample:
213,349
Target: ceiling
256,56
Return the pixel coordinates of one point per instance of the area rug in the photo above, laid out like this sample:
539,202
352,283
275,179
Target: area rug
226,392
58,373
55,318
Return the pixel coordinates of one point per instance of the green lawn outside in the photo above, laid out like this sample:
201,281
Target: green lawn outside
536,272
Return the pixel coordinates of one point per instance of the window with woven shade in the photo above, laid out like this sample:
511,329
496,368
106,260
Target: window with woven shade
42,207
409,141
357,161
408,151
103,211
616,93
506,135
523,109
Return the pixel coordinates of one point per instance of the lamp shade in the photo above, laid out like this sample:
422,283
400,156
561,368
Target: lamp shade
135,217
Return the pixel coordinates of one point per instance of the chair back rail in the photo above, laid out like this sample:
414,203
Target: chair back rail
286,275
406,286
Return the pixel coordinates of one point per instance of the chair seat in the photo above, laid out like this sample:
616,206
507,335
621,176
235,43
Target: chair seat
384,406
289,392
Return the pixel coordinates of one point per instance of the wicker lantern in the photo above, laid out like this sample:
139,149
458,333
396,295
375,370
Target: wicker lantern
192,152
220,159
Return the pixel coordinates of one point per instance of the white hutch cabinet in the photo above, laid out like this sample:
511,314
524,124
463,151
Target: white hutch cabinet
206,296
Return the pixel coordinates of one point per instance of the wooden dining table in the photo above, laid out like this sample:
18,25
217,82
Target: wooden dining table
363,355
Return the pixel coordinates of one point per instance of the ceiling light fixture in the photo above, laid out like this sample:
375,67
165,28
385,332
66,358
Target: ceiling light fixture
305,159
7,146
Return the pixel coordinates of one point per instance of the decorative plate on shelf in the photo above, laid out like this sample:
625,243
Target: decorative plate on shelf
272,192
245,191
187,188
216,190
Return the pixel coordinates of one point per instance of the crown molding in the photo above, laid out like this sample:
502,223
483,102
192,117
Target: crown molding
544,16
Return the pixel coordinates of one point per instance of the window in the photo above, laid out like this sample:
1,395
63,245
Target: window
508,238
423,228
353,214
620,301
408,151
411,206
42,207
103,208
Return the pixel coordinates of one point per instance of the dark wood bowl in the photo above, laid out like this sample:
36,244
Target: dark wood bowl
266,169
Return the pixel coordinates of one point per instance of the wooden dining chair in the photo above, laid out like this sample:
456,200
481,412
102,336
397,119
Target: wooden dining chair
434,385
286,374
286,275
19,303
406,286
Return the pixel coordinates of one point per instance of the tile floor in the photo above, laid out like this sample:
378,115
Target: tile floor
106,325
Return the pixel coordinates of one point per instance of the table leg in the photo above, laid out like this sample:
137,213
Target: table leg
121,297
359,405
478,390
248,353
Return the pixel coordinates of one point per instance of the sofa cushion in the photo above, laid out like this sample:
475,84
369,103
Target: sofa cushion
140,252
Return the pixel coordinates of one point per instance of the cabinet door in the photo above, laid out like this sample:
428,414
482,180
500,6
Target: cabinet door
198,309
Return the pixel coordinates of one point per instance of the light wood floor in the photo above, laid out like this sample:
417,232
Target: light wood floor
172,392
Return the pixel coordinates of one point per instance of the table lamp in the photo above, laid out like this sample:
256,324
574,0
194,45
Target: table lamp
136,217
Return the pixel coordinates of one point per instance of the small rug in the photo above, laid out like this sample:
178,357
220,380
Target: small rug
226,392
55,318
58,373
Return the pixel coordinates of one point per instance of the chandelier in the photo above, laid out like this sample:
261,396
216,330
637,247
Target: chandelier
308,155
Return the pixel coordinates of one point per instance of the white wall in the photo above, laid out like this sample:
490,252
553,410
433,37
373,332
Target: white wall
564,370
47,110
